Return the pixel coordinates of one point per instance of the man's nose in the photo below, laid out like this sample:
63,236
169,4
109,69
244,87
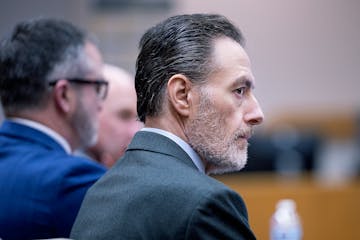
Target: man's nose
100,105
253,115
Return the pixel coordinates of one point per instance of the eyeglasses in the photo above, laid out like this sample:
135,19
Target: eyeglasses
101,86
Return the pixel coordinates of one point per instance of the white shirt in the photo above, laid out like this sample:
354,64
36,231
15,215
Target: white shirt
184,145
44,129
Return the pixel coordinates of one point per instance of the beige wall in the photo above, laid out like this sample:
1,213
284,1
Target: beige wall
305,54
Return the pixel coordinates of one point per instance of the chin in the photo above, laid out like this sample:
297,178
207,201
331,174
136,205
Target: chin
228,166
223,170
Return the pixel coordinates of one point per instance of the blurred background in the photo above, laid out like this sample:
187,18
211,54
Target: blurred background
306,59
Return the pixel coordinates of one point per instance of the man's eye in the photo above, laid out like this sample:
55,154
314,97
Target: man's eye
240,91
127,116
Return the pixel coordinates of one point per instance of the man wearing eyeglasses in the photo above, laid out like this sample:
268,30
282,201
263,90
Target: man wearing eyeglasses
51,88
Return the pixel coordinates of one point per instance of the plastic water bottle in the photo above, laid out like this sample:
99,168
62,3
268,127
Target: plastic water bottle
285,223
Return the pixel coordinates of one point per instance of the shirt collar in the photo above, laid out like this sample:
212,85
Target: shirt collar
184,145
48,131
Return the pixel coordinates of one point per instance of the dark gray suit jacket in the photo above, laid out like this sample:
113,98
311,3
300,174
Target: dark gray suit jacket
156,192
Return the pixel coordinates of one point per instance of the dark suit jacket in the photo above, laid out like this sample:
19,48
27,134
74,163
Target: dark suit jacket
41,186
156,192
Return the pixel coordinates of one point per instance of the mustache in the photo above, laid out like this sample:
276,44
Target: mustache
244,133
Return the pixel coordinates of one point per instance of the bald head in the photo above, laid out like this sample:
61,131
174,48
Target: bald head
116,77
118,118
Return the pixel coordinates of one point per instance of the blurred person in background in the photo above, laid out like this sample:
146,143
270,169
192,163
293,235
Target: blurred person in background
51,88
194,88
118,118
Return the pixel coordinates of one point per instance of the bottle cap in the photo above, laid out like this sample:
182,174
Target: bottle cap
286,203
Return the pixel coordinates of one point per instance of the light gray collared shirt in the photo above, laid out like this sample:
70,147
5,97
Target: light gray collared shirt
184,145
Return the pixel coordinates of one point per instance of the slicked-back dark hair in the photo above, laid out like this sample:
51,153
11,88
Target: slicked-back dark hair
34,52
181,44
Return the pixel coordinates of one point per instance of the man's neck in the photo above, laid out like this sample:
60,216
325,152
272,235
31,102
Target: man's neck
173,126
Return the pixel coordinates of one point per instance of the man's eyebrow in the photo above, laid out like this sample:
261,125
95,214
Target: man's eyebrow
244,81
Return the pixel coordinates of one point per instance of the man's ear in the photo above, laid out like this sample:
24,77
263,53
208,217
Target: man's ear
62,96
179,92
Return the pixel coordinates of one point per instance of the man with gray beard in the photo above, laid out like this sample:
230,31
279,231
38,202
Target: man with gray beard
195,96
51,89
